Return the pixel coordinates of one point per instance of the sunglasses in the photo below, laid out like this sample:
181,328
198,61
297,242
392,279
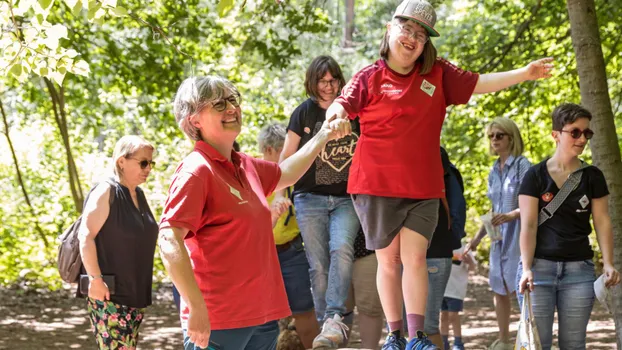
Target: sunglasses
145,163
221,105
576,133
497,136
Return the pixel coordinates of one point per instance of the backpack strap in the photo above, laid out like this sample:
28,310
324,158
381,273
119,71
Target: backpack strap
290,213
570,185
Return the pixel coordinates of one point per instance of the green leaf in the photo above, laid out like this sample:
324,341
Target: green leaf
16,69
120,11
43,71
224,6
39,18
45,4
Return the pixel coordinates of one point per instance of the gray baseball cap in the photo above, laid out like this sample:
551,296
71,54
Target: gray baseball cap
419,11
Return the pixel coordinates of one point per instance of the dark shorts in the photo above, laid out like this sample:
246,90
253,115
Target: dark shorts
382,218
452,305
295,270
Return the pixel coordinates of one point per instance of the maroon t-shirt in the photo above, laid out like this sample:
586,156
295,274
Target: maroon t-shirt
401,116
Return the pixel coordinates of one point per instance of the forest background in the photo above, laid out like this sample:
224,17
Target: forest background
78,74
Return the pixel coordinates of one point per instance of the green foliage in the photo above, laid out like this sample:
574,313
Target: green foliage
138,55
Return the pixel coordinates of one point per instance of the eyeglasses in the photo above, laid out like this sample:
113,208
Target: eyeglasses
221,105
497,136
144,163
324,83
576,133
420,37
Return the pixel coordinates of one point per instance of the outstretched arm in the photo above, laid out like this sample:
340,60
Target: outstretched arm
493,82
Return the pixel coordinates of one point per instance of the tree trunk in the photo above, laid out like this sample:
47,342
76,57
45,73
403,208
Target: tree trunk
60,116
348,29
20,179
604,145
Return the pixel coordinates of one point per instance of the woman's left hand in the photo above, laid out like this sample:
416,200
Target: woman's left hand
612,276
499,219
337,127
539,69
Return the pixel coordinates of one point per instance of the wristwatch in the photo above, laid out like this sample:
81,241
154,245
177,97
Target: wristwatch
94,277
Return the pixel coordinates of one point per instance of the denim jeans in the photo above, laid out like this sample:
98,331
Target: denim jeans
262,337
569,287
439,270
328,225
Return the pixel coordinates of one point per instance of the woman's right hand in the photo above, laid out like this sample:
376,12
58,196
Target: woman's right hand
199,328
472,245
98,290
526,281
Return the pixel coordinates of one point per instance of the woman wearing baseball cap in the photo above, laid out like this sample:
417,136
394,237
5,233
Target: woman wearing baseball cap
396,177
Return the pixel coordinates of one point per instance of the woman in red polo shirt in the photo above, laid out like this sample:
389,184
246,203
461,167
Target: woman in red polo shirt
396,175
228,273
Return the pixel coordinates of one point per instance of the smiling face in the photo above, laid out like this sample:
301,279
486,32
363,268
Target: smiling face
407,40
566,144
220,120
328,87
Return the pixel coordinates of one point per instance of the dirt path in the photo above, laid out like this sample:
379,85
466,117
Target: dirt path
54,320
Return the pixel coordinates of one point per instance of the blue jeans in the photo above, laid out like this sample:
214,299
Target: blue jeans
261,337
439,270
295,271
328,225
569,287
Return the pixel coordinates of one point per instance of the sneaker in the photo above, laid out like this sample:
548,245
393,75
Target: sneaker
334,333
394,343
459,347
421,342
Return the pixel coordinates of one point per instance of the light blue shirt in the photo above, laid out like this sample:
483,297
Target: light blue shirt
503,189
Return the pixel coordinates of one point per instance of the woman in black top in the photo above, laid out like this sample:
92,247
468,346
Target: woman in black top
117,239
556,256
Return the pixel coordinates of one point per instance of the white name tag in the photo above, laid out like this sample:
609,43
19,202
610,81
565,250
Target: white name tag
427,87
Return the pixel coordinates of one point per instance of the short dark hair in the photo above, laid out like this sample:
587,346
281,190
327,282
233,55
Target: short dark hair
317,70
568,113
427,58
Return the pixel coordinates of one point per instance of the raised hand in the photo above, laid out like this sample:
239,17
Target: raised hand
539,69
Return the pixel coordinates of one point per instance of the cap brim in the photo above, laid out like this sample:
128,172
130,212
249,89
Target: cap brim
429,29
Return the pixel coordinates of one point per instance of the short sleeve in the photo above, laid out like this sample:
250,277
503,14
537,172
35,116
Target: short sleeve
458,84
529,185
269,174
523,166
598,183
354,96
185,202
296,123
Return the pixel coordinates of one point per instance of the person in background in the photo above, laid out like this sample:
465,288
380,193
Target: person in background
556,255
289,245
118,230
504,180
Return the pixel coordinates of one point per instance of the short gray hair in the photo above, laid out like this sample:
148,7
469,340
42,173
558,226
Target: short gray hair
272,135
193,95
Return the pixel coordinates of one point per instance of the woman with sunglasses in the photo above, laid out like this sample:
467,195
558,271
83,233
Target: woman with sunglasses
504,181
118,230
216,235
556,255
396,177
324,210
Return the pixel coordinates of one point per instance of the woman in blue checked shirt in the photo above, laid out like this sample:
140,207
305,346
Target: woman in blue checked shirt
504,181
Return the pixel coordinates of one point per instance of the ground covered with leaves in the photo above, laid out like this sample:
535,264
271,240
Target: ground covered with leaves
55,320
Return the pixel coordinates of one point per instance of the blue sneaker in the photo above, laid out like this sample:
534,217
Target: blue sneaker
394,343
421,342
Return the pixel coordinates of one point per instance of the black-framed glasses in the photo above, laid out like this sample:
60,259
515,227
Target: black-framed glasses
420,37
497,136
221,105
144,163
576,133
324,83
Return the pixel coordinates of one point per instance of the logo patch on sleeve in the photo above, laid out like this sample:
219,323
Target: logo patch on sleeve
547,197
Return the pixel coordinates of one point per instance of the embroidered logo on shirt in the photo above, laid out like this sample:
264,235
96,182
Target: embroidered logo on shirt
427,87
386,85
547,197
389,89
584,201
235,192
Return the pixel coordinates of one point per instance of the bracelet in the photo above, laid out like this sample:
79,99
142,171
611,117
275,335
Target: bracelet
94,277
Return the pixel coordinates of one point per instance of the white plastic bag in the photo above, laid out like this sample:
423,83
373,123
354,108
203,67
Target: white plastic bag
527,337
494,232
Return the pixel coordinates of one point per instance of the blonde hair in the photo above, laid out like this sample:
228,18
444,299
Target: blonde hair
125,147
509,127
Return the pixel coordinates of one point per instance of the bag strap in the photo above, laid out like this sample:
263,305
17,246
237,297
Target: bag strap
570,185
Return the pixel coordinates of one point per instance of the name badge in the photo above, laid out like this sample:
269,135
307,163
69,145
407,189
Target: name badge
427,87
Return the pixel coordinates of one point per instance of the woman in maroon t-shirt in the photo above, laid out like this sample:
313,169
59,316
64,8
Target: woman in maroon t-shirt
396,175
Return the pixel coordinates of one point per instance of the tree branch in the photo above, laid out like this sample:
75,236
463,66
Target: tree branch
157,29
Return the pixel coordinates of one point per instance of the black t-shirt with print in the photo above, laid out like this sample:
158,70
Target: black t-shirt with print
329,173
565,236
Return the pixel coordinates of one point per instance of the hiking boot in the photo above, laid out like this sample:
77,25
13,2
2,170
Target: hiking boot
333,334
421,342
394,343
